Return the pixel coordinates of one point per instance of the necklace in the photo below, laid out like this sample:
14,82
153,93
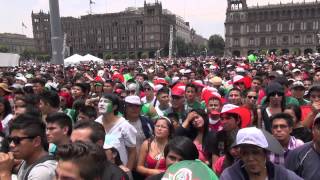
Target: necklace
160,151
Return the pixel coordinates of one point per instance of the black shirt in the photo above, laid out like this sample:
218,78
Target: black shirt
302,133
113,172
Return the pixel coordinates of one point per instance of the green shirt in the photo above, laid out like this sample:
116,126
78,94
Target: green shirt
289,100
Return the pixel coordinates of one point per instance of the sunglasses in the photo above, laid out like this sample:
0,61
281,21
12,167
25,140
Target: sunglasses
276,93
281,126
252,97
17,140
147,89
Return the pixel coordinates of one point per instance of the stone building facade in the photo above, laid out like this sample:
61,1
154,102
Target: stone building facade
131,32
16,43
292,28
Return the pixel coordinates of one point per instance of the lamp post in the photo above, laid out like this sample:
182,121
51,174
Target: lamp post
318,34
206,52
56,33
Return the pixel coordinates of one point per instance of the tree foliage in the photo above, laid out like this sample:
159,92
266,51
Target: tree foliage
28,54
183,49
216,45
4,49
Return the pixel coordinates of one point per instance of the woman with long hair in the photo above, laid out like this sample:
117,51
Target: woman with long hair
5,114
196,127
275,103
151,159
298,131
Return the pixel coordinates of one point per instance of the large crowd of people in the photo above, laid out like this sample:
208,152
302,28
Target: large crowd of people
224,118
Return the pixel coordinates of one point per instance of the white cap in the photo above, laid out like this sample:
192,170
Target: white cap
296,70
175,79
132,86
188,71
237,78
133,100
228,107
158,87
253,136
22,78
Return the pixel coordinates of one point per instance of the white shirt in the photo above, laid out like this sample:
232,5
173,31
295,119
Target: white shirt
120,136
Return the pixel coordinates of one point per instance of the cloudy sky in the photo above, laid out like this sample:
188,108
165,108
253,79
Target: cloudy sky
205,16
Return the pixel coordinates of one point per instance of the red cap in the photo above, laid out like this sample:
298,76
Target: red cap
243,112
178,90
160,81
118,76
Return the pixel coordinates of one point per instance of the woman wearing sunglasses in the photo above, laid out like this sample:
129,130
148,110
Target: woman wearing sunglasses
275,103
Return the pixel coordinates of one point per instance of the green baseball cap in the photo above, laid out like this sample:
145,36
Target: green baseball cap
189,170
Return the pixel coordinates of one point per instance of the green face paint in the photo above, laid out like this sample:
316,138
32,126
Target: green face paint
105,106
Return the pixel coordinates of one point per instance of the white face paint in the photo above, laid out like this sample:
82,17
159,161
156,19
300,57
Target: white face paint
105,106
100,73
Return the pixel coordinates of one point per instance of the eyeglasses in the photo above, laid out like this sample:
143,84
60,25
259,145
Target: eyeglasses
132,91
252,97
160,127
277,93
147,89
281,126
17,140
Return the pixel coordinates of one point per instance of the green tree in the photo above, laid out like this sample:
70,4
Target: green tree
132,55
28,54
181,47
43,57
145,55
108,55
123,55
4,48
216,45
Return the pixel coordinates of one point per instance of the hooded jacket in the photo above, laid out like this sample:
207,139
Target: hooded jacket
275,172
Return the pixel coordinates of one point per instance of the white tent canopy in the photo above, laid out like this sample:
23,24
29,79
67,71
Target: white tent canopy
90,57
9,60
74,59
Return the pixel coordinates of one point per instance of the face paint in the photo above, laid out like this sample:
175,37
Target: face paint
105,106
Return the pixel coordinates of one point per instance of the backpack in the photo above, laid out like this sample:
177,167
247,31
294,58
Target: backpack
41,160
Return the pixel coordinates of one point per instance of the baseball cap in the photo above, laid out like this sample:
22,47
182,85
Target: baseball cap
260,138
242,112
297,84
22,78
178,90
132,87
133,100
296,70
5,87
216,81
